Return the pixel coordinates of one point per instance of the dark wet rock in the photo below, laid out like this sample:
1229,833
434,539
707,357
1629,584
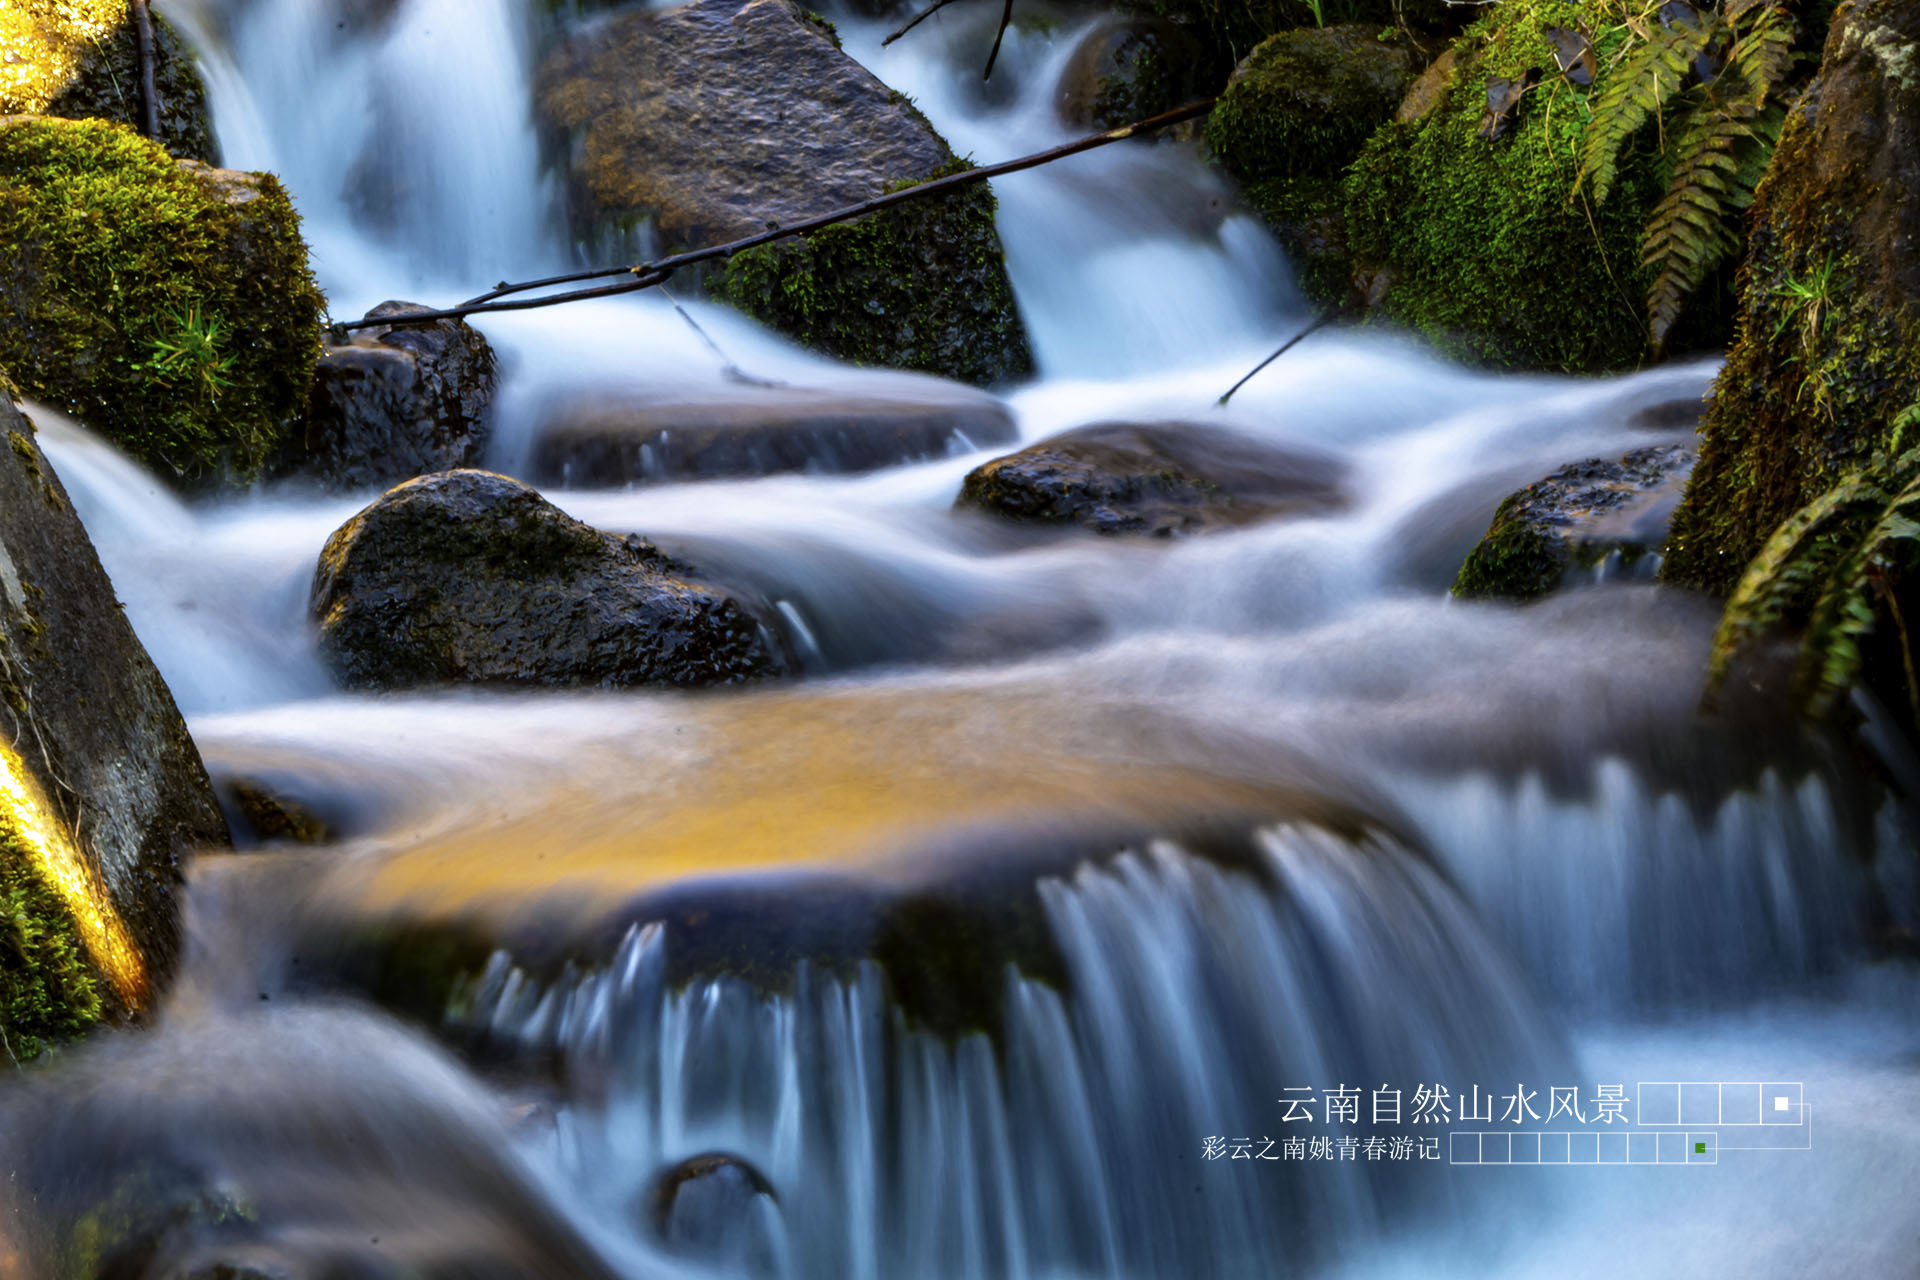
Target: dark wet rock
674,117
1576,518
1828,354
269,815
627,439
88,724
1126,69
705,1206
1293,116
80,60
470,576
1154,479
396,402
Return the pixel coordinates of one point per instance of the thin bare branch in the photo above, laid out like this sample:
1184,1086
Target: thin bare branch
647,274
916,20
993,54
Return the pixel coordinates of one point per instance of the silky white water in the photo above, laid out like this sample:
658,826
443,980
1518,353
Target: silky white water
1563,874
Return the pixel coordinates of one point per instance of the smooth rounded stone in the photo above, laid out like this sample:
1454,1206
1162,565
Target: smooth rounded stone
1129,68
1577,518
620,440
1155,479
396,402
99,779
713,1206
467,576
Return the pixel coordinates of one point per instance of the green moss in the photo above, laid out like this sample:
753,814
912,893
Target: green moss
111,255
1827,355
1304,102
919,286
1488,253
1517,560
49,989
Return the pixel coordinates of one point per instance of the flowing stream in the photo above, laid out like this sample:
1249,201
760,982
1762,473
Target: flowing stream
1066,857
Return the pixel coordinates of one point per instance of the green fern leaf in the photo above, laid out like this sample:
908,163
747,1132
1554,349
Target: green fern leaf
1787,571
1639,89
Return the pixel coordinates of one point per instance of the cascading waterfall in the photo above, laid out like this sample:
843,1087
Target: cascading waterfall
1534,889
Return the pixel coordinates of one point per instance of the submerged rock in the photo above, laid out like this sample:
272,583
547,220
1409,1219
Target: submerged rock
79,60
707,1206
102,794
1828,356
166,305
271,816
678,117
1156,479
398,401
619,440
1292,118
1577,518
1126,69
470,576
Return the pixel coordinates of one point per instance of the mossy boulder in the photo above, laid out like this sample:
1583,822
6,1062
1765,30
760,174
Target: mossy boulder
716,120
1127,69
1828,354
1293,117
1581,517
168,305
80,59
1154,479
1482,245
398,401
467,576
102,794
1229,30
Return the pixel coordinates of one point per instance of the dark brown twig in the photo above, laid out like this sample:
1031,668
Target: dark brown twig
149,91
993,54
648,274
916,20
1320,321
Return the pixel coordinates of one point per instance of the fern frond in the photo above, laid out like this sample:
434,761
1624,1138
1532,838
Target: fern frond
1690,231
1638,90
1761,58
1844,615
1788,570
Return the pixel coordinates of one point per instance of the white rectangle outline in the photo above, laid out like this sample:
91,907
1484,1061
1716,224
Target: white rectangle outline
1802,1114
1692,1137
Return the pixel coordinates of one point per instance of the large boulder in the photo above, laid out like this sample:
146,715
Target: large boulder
1468,224
80,59
1156,479
717,120
102,795
396,402
613,440
1582,517
470,576
166,304
1828,355
1127,69
1294,115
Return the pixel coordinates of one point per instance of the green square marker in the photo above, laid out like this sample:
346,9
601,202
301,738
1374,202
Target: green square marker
1699,1148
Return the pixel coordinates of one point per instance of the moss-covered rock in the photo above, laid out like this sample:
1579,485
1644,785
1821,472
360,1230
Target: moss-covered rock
1578,518
80,59
1293,117
716,120
1127,69
1828,354
1229,30
167,305
1485,248
102,794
